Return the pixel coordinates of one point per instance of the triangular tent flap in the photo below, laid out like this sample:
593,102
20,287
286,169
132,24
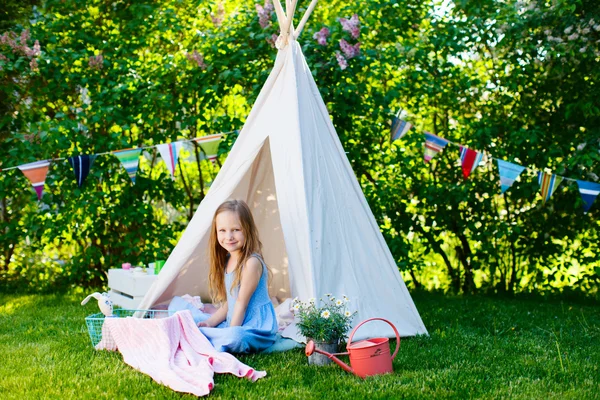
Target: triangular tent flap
318,232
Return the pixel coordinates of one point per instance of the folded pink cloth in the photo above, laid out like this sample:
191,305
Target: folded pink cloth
172,351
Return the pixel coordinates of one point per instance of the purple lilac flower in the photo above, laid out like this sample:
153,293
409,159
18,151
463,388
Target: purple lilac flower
264,13
322,36
217,18
96,62
271,40
197,58
349,50
342,62
24,36
351,25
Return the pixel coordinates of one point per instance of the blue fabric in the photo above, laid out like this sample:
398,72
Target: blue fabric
259,329
282,344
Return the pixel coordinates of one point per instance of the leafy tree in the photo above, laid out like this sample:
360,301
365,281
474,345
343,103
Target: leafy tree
514,79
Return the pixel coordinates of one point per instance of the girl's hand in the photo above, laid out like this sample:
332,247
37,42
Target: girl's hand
203,324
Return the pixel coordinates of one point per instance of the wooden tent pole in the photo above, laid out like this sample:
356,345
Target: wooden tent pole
307,13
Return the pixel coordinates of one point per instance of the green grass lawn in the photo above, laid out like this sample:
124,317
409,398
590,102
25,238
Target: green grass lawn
479,347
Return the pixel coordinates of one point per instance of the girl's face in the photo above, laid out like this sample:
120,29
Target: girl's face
229,231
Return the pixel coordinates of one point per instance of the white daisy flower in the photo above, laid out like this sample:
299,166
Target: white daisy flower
347,313
339,303
346,299
328,294
312,300
295,300
325,314
296,306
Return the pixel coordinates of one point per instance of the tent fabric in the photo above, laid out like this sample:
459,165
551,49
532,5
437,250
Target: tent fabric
318,232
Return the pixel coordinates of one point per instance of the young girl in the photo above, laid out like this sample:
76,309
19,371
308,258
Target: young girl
238,280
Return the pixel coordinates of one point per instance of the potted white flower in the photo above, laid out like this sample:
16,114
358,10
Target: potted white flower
326,323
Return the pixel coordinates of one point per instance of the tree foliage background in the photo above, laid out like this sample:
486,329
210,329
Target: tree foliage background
518,80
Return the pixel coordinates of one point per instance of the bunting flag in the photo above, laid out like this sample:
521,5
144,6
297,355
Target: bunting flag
209,146
36,173
81,166
509,172
170,155
549,183
588,191
130,159
469,159
433,145
399,128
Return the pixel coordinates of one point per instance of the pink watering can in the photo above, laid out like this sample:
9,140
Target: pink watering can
367,357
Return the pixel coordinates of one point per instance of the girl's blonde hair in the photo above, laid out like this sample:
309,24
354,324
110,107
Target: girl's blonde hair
218,255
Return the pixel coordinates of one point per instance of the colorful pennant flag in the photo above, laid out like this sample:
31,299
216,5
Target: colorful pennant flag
588,191
549,183
81,166
399,128
509,173
130,160
209,146
170,155
36,173
469,159
433,145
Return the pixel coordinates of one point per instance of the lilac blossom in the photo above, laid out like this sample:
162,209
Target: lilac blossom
272,40
351,25
36,51
321,36
342,62
349,50
217,18
9,39
96,62
197,58
264,13
24,37
20,46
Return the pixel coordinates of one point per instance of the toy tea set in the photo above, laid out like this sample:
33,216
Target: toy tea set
153,268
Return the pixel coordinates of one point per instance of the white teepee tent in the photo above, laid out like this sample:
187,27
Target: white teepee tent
318,233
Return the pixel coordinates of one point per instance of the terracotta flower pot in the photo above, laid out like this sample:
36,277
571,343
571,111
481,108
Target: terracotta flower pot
320,359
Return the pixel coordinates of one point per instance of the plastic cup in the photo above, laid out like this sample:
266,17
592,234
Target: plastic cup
158,264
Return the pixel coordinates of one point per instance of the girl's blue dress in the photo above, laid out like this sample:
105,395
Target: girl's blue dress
259,328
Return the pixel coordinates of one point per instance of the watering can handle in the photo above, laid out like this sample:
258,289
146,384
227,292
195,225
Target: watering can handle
380,319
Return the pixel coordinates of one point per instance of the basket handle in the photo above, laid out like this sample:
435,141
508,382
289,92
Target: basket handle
375,319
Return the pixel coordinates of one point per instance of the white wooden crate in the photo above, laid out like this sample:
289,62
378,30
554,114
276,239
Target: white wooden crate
127,289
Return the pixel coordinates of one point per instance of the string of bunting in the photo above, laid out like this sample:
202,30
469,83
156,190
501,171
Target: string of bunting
37,171
509,172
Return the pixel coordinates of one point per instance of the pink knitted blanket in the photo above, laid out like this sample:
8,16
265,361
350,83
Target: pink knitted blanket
172,351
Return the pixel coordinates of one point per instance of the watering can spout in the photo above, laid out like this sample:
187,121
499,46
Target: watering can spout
310,348
339,362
